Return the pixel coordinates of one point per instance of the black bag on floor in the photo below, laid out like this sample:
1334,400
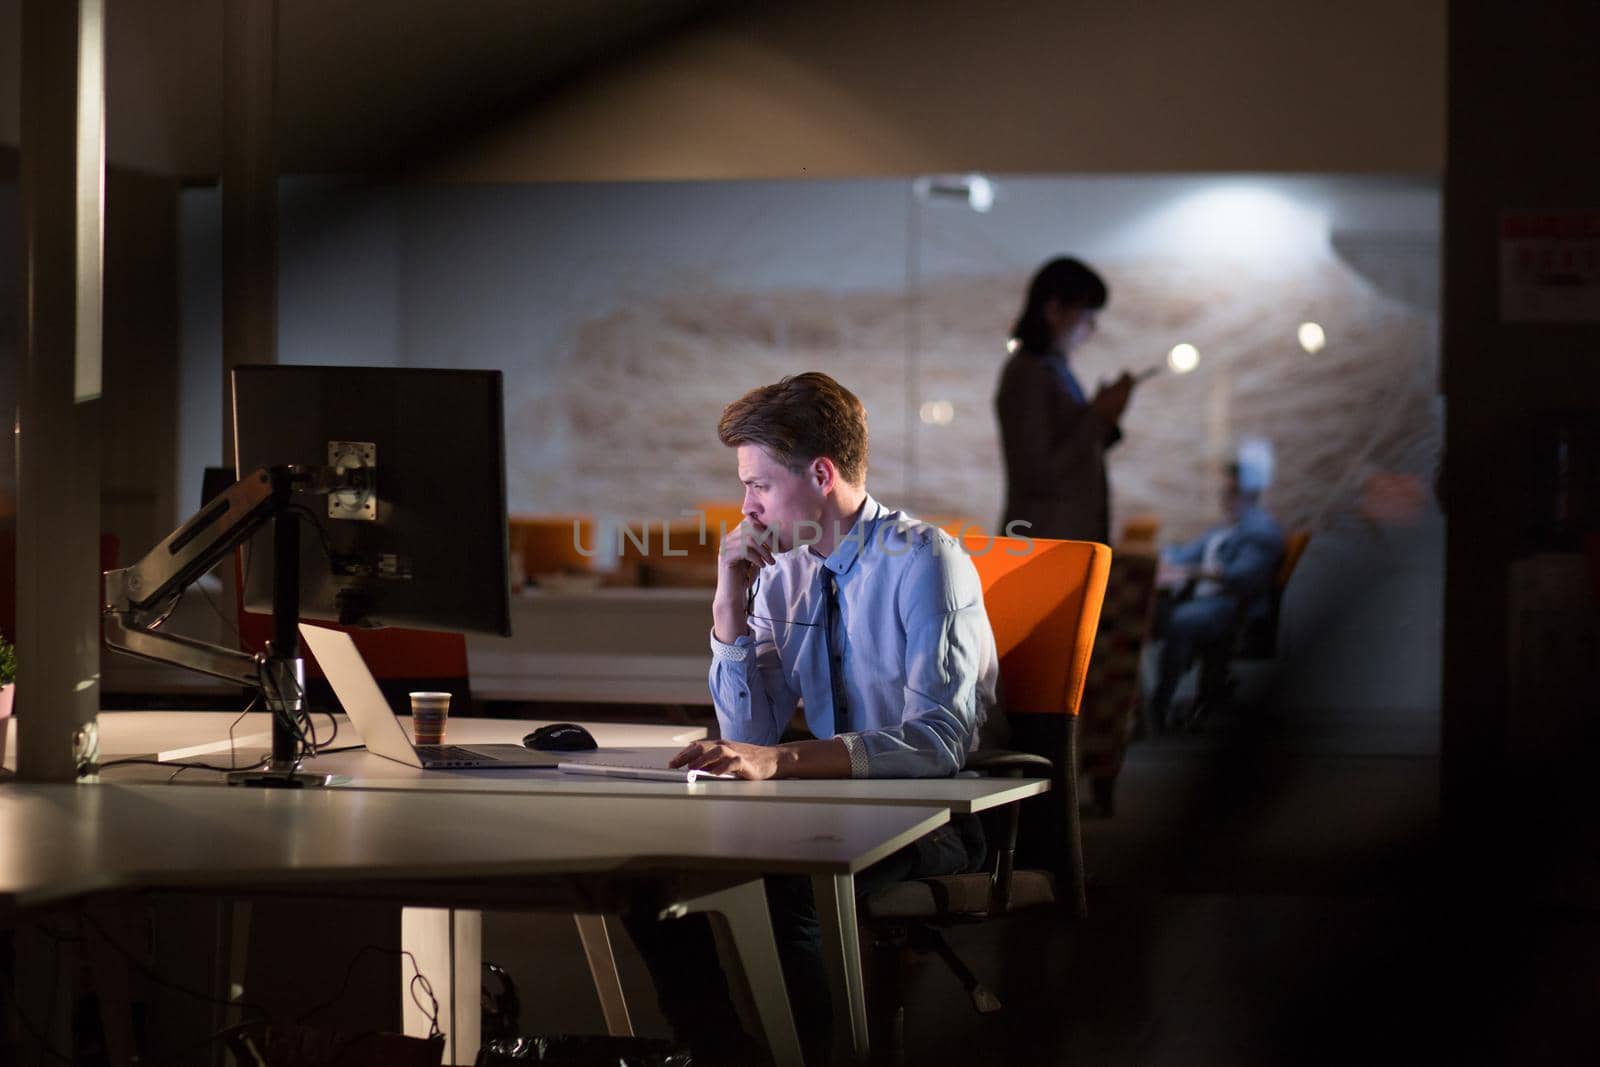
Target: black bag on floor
578,1050
503,1047
307,1046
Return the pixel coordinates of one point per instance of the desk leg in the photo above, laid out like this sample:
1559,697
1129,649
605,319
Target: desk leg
603,969
835,897
111,983
233,927
448,945
750,926
43,1004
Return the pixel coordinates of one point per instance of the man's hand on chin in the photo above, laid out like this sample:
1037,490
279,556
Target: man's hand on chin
754,762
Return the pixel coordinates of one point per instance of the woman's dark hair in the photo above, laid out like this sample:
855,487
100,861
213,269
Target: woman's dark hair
1070,284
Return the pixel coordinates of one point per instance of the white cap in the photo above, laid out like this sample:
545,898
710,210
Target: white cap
1255,464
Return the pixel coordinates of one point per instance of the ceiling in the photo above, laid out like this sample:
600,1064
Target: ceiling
361,84
365,85
519,90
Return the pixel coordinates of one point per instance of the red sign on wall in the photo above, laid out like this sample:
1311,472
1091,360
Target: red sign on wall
1550,266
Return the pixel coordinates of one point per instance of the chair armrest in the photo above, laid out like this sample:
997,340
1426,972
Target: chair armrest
1000,762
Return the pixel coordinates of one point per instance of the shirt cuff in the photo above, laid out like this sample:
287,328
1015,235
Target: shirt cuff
737,652
857,750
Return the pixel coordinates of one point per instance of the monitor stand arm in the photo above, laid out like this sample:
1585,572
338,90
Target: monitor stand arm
229,664
194,548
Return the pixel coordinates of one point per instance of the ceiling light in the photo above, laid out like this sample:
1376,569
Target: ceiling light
1312,337
1183,358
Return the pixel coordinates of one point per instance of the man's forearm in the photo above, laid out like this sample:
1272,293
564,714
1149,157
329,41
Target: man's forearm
813,759
728,620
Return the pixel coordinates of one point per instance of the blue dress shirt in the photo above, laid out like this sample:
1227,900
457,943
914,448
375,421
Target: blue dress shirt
917,655
1247,555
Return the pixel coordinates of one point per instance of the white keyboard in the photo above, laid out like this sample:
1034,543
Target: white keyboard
646,764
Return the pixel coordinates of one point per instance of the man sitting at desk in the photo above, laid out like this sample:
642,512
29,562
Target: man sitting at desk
876,622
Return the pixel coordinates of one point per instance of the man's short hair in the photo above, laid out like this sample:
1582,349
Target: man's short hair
799,419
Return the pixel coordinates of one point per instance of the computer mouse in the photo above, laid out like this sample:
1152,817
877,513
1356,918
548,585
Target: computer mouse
560,737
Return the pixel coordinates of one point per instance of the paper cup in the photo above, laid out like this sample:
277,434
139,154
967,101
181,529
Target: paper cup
428,713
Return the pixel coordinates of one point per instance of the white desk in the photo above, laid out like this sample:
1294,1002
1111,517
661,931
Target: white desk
834,892
127,733
362,770
63,843
203,734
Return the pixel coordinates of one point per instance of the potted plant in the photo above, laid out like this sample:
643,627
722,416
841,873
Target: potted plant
8,675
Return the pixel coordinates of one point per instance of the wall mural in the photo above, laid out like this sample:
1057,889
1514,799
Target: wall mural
626,315
1353,424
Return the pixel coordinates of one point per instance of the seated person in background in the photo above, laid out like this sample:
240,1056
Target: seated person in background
1218,582
876,621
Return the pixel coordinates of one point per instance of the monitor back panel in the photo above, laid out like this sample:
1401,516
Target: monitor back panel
434,555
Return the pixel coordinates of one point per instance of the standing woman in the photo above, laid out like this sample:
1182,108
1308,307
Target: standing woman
1054,435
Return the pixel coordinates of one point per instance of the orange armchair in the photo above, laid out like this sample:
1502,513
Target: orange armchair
551,544
1043,599
1294,546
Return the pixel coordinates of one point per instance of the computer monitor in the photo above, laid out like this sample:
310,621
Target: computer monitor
431,553
214,483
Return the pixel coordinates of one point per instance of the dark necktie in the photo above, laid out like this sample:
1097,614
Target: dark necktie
835,635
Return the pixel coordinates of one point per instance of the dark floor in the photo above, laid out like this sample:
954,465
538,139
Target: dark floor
1273,890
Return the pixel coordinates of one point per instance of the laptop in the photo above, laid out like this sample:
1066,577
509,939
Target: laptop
377,724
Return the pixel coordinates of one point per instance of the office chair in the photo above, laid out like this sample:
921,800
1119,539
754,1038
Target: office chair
676,553
1043,599
1138,533
1112,694
955,525
544,545
1260,641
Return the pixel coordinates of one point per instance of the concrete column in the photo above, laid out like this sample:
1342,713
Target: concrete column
249,196
62,184
249,208
1524,98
